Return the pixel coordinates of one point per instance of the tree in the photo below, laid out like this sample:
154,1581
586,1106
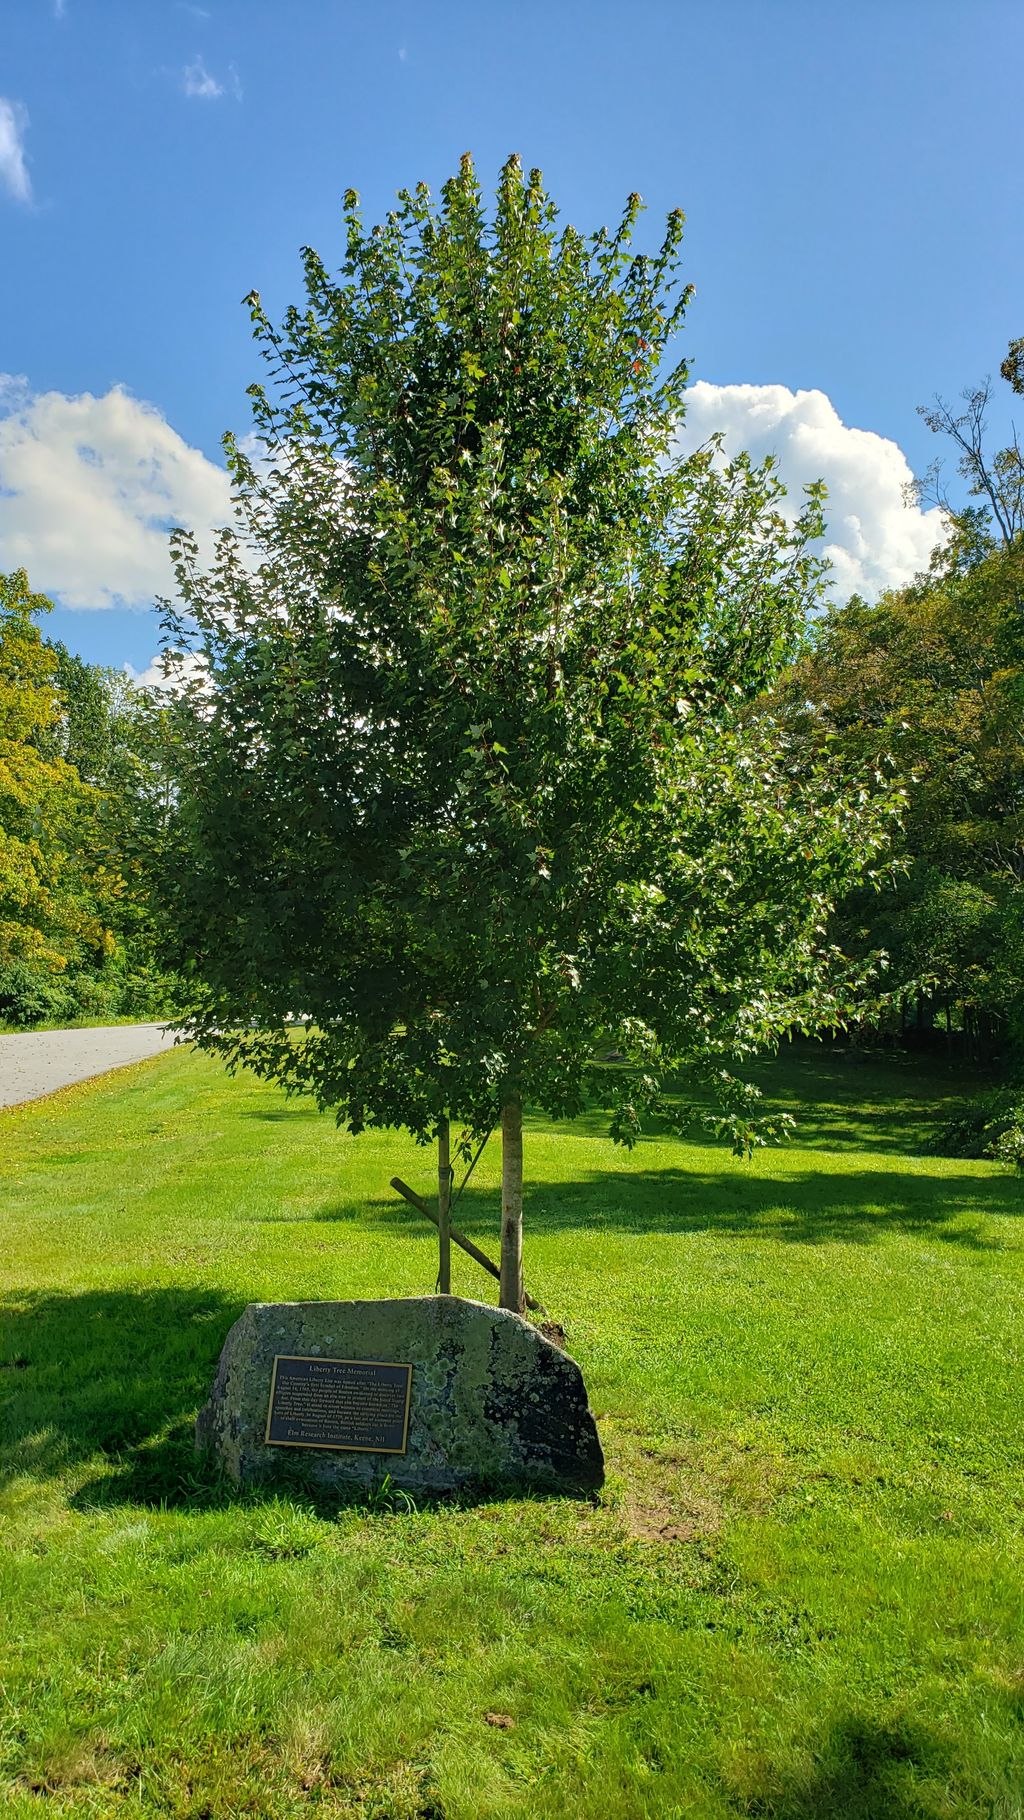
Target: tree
109,729
48,920
994,477
934,675
464,777
1012,368
79,782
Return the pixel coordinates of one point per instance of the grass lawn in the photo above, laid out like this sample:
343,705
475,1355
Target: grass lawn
801,1594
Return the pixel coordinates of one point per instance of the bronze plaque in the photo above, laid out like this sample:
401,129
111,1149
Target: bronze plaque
353,1405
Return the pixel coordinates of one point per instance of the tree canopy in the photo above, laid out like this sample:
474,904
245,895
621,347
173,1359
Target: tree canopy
46,918
934,675
75,743
466,777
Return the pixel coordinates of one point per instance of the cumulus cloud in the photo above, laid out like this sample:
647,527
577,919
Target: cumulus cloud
13,168
874,539
89,489
154,676
166,677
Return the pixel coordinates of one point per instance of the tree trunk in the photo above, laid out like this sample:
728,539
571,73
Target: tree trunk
512,1206
444,1208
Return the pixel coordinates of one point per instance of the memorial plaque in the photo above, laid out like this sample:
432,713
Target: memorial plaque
349,1405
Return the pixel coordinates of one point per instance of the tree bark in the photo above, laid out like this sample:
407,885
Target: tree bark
511,1295
444,1208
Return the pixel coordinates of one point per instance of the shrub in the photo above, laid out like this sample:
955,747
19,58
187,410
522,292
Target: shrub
990,1126
29,996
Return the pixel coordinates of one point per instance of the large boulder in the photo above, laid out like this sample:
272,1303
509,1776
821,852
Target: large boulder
493,1404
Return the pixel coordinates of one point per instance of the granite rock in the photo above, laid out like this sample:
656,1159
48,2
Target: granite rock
493,1403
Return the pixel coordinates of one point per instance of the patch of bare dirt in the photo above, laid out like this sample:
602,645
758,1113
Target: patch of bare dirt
682,1490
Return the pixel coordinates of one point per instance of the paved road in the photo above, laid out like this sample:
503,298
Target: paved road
36,1062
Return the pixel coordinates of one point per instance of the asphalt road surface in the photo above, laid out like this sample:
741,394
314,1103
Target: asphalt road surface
37,1062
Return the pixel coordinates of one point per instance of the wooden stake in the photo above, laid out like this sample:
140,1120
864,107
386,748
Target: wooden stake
511,1294
457,1238
444,1204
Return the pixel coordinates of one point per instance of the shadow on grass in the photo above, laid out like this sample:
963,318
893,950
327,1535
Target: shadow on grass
888,1130
843,1100
802,1207
122,1373
280,1115
115,1372
866,1770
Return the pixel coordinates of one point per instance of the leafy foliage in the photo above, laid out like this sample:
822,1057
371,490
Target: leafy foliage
934,676
74,937
46,919
992,1125
464,773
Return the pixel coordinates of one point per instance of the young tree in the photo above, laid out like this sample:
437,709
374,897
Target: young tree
1012,366
464,773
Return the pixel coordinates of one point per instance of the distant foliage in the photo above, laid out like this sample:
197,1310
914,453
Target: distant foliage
74,937
932,678
991,1126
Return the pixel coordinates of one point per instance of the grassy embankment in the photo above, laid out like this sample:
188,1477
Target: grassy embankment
802,1594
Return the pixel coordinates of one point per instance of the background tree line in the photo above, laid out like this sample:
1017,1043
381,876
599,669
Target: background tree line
933,675
81,791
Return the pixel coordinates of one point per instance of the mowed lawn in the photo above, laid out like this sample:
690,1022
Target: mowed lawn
800,1595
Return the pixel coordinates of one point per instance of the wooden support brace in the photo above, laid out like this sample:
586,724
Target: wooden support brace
457,1238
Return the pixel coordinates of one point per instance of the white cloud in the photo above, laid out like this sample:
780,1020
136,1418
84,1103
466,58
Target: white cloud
873,539
197,81
13,169
90,487
154,676
202,85
167,677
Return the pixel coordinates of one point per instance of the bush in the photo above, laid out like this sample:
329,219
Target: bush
146,994
1008,1147
93,995
991,1126
28,996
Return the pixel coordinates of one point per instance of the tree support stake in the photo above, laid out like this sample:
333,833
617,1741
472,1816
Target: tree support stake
457,1238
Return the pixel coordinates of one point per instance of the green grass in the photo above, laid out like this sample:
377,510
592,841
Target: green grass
801,1595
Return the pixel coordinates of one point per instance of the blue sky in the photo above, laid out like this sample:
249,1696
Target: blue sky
851,175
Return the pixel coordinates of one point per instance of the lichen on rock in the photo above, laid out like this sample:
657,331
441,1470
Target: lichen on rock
493,1403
